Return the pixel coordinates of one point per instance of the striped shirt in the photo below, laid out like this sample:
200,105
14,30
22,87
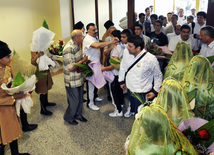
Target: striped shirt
71,55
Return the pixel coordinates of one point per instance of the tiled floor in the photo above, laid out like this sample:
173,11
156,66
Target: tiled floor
101,135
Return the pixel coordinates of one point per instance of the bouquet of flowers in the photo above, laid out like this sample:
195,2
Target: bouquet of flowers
115,63
84,69
158,51
21,84
200,133
57,49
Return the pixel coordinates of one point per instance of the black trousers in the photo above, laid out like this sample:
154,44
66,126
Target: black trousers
117,94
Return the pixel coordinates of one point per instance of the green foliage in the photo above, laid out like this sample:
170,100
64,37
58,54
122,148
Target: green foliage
211,59
45,24
18,80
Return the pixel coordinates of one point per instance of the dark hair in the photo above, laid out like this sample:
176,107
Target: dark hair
159,21
160,17
190,17
154,16
146,9
127,32
163,18
137,41
185,26
176,16
116,33
141,14
169,13
90,24
202,13
78,26
139,25
208,30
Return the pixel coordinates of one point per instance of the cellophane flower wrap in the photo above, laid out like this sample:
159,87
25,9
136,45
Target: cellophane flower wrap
21,84
179,61
173,98
154,133
199,76
41,41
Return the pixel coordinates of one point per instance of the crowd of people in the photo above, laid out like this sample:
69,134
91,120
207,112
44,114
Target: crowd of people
140,72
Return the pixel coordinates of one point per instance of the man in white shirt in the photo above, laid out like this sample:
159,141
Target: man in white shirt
91,48
207,37
181,17
170,28
176,33
145,77
138,29
184,36
141,21
201,22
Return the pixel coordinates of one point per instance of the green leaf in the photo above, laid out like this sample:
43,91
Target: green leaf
137,96
45,24
211,59
191,94
85,66
18,80
113,61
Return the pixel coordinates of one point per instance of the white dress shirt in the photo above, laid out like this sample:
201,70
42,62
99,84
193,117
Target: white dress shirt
125,63
173,42
207,50
140,77
92,53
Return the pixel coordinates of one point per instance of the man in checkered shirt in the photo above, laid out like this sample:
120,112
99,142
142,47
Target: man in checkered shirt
73,79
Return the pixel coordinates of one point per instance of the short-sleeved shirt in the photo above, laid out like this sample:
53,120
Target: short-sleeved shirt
173,42
92,53
162,39
117,52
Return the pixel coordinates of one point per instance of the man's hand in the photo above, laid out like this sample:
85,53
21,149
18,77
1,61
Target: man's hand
123,86
72,68
18,95
40,54
150,95
115,39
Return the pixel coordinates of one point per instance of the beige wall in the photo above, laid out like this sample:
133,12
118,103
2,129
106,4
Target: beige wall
19,18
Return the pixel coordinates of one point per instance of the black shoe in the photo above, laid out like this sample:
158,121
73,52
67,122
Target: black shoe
50,104
84,100
83,119
23,154
74,122
46,112
30,127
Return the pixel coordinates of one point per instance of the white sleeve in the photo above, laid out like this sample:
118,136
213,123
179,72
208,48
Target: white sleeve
158,77
171,45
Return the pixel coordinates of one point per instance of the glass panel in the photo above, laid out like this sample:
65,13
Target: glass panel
161,5
141,5
84,11
103,12
203,5
119,10
186,5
